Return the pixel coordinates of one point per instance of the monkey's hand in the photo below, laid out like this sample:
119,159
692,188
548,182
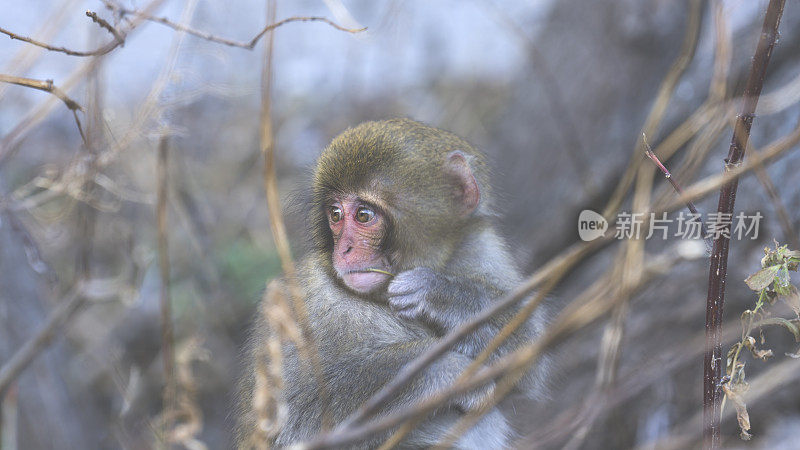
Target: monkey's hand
409,292
423,294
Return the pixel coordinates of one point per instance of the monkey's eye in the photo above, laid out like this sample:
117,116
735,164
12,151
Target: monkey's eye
364,215
335,214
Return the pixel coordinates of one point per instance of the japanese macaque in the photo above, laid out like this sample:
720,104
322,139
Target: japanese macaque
406,251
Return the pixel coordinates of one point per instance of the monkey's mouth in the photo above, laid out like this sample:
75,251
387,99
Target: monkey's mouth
365,280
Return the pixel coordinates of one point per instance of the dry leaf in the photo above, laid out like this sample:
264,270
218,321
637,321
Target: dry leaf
792,253
750,343
734,394
762,278
761,354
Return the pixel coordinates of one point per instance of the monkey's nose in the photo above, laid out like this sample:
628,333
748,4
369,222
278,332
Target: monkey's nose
349,247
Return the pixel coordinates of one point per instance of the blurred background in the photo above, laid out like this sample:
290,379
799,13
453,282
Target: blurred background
556,93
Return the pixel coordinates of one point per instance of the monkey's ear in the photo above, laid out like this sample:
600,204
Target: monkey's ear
468,195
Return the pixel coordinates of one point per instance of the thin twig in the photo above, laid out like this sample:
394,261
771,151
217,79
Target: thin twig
30,349
100,21
689,204
119,39
11,140
43,85
49,27
713,362
49,86
249,45
649,152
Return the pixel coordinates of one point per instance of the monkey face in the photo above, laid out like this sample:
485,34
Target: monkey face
358,228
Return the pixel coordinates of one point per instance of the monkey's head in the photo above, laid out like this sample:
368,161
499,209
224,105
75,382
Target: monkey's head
393,195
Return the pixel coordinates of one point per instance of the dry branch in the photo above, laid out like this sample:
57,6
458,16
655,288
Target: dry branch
119,39
249,45
11,140
26,354
164,272
713,362
49,27
43,85
668,175
48,86
649,153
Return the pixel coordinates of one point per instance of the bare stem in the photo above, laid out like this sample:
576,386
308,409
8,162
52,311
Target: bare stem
249,45
119,39
34,346
675,185
713,361
42,85
163,262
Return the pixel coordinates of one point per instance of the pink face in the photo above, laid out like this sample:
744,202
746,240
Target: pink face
357,228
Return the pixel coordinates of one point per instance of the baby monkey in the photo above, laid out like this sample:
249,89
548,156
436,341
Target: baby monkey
406,250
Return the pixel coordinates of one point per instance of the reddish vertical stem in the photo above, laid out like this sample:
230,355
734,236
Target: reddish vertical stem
712,364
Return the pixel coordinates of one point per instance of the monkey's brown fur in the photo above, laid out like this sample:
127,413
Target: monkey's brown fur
450,264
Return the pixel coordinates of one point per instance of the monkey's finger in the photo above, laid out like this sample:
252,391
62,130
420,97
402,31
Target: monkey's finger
408,281
400,288
404,301
391,294
399,306
413,313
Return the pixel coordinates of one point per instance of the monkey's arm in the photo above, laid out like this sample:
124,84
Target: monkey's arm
373,367
353,373
445,302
